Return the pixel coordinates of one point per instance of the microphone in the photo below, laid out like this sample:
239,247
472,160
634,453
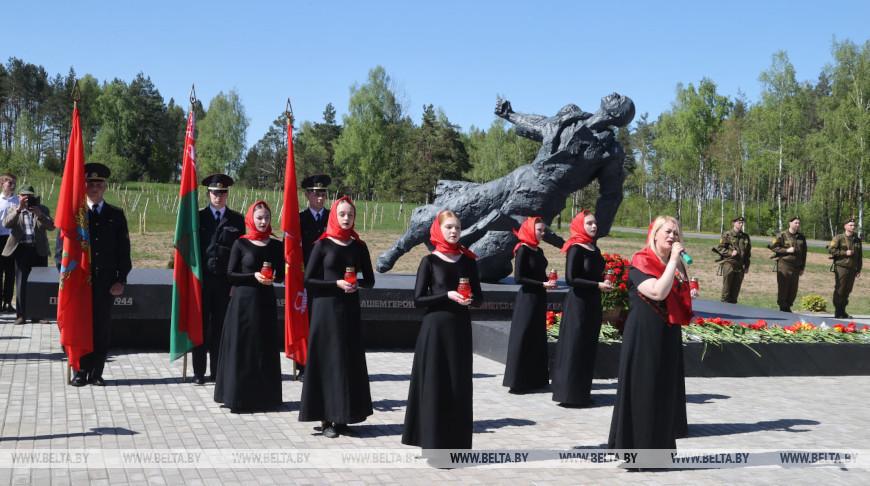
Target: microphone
686,258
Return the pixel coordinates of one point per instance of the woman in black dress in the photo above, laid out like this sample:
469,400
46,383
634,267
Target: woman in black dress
648,394
527,362
439,411
581,315
336,387
249,368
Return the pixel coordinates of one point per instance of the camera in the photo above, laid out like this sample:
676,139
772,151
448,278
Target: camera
31,201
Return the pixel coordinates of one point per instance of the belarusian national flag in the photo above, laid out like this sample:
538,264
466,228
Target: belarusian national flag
295,302
186,321
75,317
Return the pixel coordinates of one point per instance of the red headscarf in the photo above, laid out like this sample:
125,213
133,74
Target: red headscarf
253,233
679,299
526,234
442,245
334,230
578,231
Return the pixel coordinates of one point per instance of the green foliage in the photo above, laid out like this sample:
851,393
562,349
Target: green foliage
314,147
437,153
684,136
372,147
220,146
799,149
814,303
265,162
497,151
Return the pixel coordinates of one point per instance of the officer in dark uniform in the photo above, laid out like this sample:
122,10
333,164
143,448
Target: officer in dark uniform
790,252
735,250
110,265
220,227
312,221
848,255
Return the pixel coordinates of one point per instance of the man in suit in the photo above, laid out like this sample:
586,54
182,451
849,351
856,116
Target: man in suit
110,265
27,243
8,201
220,227
312,221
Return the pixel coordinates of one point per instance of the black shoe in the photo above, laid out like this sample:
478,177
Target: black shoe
198,380
80,379
329,431
97,381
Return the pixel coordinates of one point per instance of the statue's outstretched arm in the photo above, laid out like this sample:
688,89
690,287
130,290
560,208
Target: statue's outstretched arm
528,126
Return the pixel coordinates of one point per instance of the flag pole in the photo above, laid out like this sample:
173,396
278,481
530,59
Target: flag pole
184,364
76,96
288,112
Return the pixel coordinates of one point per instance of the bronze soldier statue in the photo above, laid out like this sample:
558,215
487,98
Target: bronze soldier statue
790,252
735,250
848,255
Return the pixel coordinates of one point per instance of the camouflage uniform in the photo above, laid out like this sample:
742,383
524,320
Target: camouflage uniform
845,269
733,267
788,266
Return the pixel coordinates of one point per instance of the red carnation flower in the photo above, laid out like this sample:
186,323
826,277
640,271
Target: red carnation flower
622,286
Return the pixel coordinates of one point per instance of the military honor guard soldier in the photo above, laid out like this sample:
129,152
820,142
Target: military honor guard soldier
110,265
312,220
220,227
790,252
847,252
734,250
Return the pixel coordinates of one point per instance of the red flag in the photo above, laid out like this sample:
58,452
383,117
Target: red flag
295,302
75,316
185,325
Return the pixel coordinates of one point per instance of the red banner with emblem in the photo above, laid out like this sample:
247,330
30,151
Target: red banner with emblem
74,297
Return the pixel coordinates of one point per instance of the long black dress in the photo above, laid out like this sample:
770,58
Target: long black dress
249,367
439,411
580,327
647,396
527,360
336,387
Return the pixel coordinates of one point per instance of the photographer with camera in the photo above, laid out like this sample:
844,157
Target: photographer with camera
27,243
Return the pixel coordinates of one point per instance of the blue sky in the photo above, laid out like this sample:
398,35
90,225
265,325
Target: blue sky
457,55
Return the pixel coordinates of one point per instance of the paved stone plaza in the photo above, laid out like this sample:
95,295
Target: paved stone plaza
145,407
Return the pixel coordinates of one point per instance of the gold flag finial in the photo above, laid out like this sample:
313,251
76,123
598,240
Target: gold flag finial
76,94
288,111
